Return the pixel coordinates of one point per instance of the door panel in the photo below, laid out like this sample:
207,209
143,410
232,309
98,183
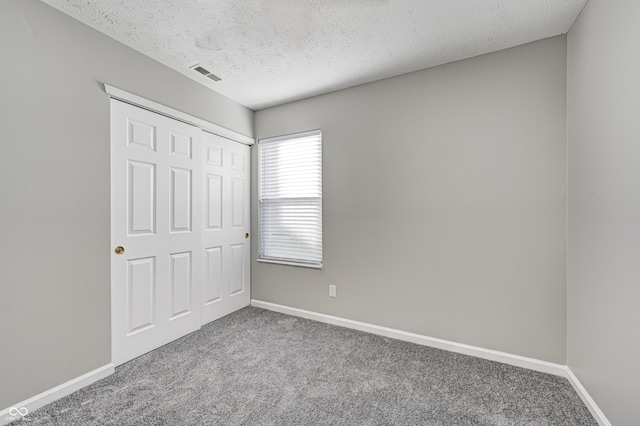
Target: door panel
141,203
180,284
141,285
237,269
156,188
213,202
181,145
180,200
237,203
141,135
225,233
213,281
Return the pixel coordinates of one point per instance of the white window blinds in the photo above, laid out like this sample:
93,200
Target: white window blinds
290,199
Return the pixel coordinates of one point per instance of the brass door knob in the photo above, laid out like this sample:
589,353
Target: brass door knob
246,235
119,250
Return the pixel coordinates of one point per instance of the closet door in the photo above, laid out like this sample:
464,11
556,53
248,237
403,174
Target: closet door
156,230
226,242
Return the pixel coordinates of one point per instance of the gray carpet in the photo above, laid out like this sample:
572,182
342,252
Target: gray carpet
257,367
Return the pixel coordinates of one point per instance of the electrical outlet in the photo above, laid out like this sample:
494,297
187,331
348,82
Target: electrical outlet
332,290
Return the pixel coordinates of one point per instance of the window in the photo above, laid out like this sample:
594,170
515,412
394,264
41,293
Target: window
290,199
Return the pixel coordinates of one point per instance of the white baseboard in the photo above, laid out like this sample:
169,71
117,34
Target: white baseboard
506,358
461,348
27,406
586,398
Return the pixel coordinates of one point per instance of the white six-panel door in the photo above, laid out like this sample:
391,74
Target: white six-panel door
226,212
167,274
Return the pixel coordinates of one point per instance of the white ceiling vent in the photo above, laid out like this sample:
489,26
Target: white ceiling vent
205,72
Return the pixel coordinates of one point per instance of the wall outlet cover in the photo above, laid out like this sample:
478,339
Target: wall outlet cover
332,291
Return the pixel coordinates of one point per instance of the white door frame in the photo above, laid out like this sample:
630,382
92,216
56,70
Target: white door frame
136,100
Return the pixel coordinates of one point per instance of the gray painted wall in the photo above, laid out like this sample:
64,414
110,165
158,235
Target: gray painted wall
54,174
457,232
604,206
444,202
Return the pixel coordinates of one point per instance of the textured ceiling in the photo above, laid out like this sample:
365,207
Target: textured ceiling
268,52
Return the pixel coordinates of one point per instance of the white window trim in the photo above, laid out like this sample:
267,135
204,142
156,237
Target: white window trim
283,261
